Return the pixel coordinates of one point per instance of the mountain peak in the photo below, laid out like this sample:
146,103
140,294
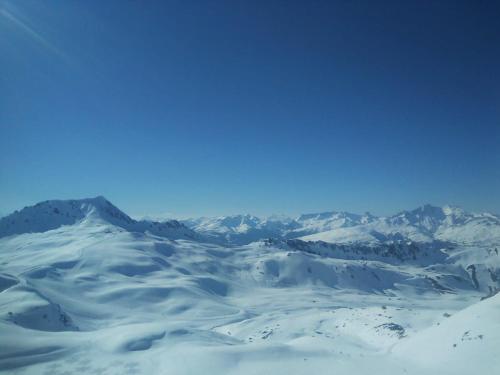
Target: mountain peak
436,211
52,214
427,209
453,210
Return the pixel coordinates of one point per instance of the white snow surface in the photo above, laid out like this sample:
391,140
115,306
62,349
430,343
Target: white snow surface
85,289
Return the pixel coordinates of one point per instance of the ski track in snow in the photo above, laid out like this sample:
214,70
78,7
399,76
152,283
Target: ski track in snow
96,292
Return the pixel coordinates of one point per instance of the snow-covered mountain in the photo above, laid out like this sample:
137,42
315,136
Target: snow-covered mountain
424,224
53,214
316,223
86,289
244,229
239,229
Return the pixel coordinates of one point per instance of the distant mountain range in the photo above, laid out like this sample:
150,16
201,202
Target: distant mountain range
424,224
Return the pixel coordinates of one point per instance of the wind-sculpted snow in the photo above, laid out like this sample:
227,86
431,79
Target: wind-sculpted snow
105,294
466,340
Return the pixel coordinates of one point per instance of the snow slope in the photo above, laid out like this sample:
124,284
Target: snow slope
102,293
465,342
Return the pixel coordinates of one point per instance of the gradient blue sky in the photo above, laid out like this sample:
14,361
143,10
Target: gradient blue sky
218,107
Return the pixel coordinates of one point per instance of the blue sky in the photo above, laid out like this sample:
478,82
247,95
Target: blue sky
208,108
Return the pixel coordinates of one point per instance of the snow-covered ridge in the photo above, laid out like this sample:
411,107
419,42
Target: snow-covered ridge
53,214
396,252
424,224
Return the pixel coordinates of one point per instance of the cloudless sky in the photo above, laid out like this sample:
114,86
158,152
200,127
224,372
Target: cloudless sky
219,107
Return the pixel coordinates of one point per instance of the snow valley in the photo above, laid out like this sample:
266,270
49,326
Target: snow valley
84,288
